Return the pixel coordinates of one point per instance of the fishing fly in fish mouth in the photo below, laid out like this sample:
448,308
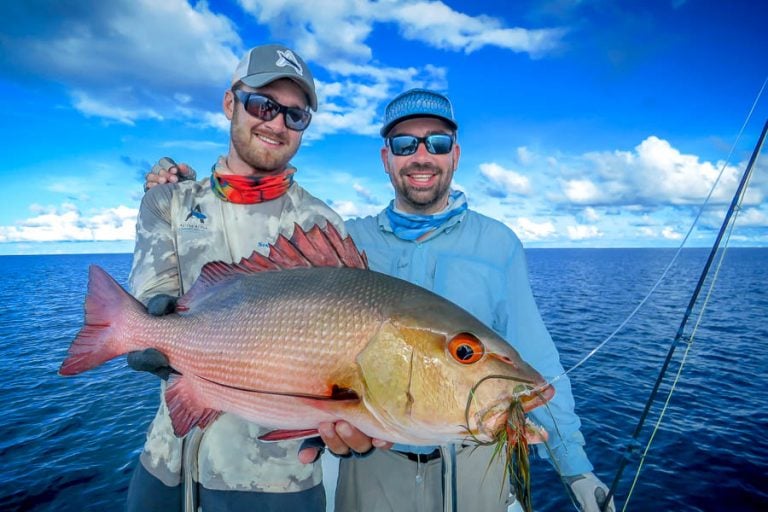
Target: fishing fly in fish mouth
516,432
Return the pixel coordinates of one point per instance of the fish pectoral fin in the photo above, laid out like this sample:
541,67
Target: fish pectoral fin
185,407
285,435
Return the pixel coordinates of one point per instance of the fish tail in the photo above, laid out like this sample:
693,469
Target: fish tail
105,303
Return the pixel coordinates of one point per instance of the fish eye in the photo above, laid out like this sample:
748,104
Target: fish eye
466,348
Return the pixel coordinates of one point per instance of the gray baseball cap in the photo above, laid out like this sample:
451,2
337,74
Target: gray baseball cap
418,103
265,64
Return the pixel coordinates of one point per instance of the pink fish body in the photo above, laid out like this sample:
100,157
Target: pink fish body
310,335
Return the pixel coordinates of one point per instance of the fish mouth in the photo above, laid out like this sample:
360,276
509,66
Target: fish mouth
490,420
536,397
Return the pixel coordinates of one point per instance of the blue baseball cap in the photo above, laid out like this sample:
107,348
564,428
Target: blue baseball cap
418,103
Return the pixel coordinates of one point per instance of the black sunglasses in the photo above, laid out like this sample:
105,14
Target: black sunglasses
266,109
404,145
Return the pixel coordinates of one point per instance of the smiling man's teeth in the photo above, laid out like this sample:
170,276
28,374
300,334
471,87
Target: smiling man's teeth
267,139
421,178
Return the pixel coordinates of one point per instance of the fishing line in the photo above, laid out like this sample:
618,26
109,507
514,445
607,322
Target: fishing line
679,249
727,226
735,206
689,344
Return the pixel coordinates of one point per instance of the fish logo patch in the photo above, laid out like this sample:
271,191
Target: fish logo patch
196,213
194,220
287,58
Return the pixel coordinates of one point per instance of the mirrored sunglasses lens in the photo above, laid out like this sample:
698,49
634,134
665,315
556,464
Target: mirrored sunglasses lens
262,107
403,145
297,119
439,144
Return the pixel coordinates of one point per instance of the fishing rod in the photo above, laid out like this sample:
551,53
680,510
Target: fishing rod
737,197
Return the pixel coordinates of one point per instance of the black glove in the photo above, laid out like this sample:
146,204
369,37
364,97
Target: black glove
162,304
152,360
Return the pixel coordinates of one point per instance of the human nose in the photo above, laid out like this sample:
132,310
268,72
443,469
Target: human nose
421,152
277,123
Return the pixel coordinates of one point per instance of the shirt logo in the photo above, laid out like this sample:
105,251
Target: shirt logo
196,213
195,220
287,58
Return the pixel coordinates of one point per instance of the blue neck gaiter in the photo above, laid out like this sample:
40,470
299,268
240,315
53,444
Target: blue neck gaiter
409,226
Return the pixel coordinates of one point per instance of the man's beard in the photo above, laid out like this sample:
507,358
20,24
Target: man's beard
260,158
426,198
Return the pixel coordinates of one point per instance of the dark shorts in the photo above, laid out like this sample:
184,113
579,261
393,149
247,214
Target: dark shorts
148,494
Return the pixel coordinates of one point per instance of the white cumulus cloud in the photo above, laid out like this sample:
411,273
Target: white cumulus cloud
502,182
582,191
671,234
654,173
583,232
67,223
528,229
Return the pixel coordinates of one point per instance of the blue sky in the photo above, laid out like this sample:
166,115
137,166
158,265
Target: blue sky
582,123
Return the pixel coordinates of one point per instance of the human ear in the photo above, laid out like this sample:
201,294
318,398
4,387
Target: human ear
228,104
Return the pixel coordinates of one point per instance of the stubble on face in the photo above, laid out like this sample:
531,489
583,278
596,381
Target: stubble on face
266,146
259,147
423,195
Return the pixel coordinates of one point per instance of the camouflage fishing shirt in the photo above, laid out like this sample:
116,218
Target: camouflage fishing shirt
180,228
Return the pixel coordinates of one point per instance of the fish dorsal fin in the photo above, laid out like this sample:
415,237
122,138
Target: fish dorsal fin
325,248
313,248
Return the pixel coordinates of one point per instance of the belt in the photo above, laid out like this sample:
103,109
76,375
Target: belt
420,457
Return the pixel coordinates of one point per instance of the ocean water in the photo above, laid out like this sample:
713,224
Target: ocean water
70,444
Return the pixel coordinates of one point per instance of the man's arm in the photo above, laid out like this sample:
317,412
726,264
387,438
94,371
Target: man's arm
155,268
154,278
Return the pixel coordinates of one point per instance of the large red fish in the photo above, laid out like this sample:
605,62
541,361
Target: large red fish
311,335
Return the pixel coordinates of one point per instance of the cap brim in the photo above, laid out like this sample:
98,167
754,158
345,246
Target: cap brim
263,79
386,129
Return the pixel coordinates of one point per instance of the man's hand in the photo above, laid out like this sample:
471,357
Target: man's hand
590,492
152,360
343,440
168,171
161,304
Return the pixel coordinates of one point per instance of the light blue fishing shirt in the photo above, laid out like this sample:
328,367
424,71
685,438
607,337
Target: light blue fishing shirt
479,264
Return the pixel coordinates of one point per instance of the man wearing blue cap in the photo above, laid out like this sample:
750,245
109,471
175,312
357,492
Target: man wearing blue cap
428,235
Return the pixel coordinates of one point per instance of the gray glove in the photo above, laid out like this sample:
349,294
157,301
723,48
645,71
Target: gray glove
162,169
589,492
152,360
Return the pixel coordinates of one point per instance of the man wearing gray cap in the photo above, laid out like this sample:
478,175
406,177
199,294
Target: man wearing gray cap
428,236
249,199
